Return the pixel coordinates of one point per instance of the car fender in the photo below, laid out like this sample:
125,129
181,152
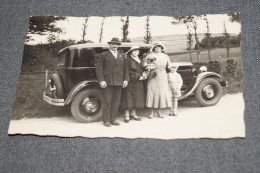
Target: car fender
77,88
199,78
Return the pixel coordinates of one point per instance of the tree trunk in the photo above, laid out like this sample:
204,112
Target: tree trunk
209,54
228,50
190,55
198,55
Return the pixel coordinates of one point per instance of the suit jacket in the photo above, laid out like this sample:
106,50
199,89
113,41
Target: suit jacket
112,70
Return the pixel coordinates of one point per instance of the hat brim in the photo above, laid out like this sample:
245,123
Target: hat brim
132,50
161,45
119,43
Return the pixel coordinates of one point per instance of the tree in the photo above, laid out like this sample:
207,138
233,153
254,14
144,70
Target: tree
147,37
207,36
234,17
42,25
84,41
125,31
84,29
101,31
189,41
226,39
190,20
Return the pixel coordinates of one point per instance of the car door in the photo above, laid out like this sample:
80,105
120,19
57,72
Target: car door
81,66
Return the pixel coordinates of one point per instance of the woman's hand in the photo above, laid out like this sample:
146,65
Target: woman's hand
125,83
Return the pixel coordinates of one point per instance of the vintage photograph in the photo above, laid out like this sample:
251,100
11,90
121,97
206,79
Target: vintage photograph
164,77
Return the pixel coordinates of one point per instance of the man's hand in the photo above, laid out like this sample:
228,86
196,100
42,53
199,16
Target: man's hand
103,84
125,83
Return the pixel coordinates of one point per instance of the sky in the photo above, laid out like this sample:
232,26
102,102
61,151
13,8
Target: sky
160,25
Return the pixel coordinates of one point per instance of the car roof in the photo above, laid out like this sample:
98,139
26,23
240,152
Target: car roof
184,63
105,46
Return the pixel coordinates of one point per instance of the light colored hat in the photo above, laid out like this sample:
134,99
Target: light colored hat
174,65
114,40
157,44
133,48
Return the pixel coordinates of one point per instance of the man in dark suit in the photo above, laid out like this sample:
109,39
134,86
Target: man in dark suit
112,76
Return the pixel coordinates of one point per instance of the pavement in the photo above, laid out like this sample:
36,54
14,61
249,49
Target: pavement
222,121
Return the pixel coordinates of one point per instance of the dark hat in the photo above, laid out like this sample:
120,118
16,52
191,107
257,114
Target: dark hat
114,40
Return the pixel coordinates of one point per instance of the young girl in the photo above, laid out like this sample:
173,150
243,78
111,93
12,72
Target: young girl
175,83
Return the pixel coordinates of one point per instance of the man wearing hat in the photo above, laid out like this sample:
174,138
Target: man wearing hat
112,76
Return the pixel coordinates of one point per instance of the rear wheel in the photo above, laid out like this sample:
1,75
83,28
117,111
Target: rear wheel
87,106
208,92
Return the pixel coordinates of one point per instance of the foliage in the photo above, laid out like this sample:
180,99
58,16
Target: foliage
219,42
84,28
207,36
231,67
41,25
147,37
226,39
190,20
189,41
42,56
234,17
101,30
125,31
84,41
213,66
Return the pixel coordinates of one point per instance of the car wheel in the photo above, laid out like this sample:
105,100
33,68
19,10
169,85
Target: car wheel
59,92
208,92
87,105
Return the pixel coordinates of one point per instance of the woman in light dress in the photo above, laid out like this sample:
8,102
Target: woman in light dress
158,94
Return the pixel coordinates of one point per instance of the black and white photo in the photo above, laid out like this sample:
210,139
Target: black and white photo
164,77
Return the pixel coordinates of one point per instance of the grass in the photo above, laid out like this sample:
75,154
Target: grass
29,101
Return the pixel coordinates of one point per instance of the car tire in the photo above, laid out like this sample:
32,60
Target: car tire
58,84
87,106
208,92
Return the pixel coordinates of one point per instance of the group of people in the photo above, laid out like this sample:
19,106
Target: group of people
121,77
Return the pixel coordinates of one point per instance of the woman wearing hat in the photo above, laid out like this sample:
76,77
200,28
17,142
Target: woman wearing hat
133,94
158,94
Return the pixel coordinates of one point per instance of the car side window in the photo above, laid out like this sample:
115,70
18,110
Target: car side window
83,57
62,59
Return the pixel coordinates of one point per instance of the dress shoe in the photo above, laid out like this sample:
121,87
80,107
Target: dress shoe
107,124
115,123
127,119
135,117
150,116
160,115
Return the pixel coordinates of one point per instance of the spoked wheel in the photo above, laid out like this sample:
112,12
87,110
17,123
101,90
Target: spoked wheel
208,92
87,106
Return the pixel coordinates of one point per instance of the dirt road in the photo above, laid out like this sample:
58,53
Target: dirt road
224,120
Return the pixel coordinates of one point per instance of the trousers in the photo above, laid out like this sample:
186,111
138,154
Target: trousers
174,105
112,97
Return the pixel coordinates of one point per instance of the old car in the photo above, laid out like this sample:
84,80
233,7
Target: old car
74,83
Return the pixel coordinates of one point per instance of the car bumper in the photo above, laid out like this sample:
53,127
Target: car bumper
53,101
